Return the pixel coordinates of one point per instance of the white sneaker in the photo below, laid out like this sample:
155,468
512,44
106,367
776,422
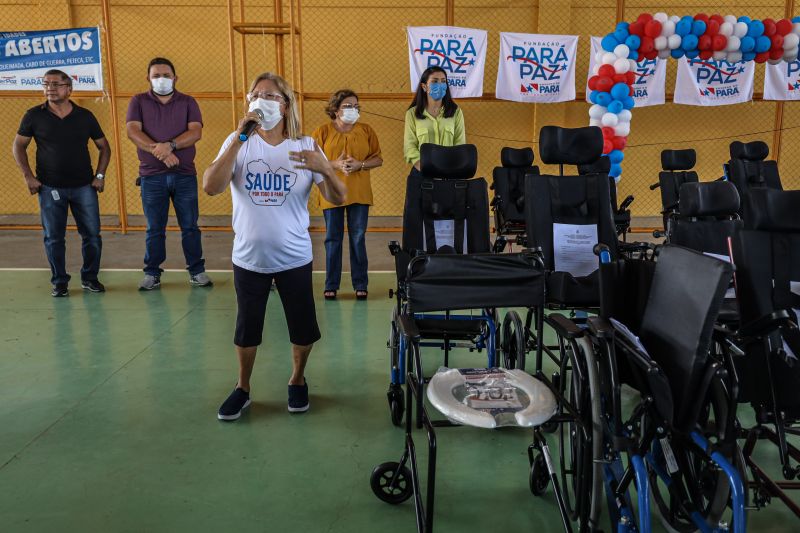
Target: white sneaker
149,283
201,280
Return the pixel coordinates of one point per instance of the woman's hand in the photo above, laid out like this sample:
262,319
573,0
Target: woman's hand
338,164
250,116
312,160
352,164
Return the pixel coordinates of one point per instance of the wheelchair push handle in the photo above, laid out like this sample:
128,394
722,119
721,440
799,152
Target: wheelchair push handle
655,186
603,252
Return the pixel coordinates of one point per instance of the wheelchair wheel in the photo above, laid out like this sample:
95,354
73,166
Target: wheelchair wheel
391,485
539,476
699,480
512,344
397,404
580,442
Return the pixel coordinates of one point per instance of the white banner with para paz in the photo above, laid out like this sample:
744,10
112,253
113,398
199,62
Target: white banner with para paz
536,68
460,52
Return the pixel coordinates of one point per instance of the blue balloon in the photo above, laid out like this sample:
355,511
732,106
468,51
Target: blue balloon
615,107
603,99
619,91
633,42
748,44
620,35
746,20
683,27
692,54
609,42
763,44
616,157
755,28
748,56
795,19
698,27
622,26
593,96
689,42
615,170
633,55
628,102
677,53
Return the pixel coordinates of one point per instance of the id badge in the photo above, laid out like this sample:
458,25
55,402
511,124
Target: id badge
55,194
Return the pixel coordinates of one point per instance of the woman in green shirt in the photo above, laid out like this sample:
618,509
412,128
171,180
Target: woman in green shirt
433,117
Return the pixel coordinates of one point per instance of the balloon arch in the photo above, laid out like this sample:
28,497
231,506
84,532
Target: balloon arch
714,37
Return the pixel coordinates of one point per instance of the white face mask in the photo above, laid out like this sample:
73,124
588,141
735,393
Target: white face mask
350,115
271,111
162,86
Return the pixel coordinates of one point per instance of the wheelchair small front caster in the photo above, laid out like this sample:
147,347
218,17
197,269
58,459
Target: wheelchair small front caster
397,404
391,483
539,476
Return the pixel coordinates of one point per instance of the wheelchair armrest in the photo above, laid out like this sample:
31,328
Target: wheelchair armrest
655,186
600,327
394,247
625,204
564,327
764,325
408,326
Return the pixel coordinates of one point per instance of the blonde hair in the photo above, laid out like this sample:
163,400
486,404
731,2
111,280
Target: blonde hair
291,122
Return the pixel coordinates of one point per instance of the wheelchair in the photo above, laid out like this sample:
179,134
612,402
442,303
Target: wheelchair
682,427
446,211
677,168
749,168
621,212
508,184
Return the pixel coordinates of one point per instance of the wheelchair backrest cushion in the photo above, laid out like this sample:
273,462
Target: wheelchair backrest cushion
601,166
570,146
773,210
678,159
448,162
709,199
670,184
509,191
516,157
704,235
684,301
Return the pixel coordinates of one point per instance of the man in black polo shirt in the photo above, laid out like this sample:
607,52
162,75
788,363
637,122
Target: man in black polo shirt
64,178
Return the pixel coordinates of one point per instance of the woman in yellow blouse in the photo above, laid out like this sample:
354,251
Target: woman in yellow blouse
433,117
352,148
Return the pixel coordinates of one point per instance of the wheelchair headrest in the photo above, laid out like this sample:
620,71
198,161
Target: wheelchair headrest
601,166
448,162
678,159
773,210
715,198
753,151
516,157
570,146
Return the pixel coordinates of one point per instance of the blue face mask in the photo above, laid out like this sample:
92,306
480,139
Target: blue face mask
437,90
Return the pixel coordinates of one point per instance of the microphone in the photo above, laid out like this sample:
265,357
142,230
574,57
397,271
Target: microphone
250,125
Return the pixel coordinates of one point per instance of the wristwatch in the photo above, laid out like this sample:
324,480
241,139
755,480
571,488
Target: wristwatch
99,176
173,145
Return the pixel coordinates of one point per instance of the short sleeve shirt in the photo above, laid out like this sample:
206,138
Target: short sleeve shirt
62,153
270,205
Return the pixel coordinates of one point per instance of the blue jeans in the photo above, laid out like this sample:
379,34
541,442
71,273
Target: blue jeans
156,193
54,202
357,215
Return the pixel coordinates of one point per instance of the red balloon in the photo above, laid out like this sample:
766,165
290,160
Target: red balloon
630,89
619,142
777,42
704,43
630,77
775,53
637,28
701,16
608,132
592,84
784,26
651,55
706,54
644,18
719,42
716,18
604,84
647,46
769,27
712,27
607,147
621,78
652,29
607,71
762,57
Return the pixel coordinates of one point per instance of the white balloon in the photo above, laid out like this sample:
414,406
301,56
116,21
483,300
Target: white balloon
674,42
625,115
774,61
730,19
660,42
675,19
595,122
790,40
610,120
621,66
617,178
790,54
664,54
720,55
622,50
596,70
668,28
796,27
597,111
609,58
661,17
632,64
622,129
598,57
726,29
734,57
734,43
740,29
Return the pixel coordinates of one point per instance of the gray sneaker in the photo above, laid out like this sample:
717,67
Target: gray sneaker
149,283
201,280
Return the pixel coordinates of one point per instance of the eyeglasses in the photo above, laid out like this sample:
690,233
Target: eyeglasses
350,106
275,97
54,85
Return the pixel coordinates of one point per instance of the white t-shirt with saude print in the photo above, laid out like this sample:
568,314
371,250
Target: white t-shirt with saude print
270,205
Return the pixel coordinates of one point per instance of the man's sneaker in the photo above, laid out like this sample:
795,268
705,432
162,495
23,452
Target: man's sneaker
149,283
60,290
201,280
92,285
298,398
232,407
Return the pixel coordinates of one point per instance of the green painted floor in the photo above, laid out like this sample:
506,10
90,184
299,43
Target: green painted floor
108,414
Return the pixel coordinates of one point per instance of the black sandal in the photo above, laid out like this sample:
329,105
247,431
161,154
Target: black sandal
361,295
329,295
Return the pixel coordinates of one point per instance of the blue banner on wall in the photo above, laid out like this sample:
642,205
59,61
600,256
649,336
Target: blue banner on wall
26,55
